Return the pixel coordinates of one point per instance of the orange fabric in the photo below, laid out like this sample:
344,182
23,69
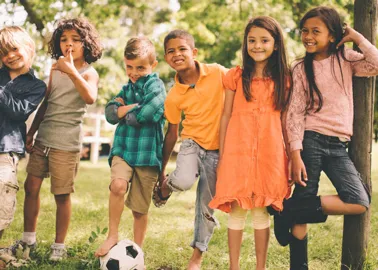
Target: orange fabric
253,168
202,106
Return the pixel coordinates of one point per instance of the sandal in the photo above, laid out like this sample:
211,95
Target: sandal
157,196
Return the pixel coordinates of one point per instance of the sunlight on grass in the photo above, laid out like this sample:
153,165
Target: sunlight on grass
170,228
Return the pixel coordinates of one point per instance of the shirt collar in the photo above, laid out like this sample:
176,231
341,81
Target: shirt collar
183,88
5,70
141,81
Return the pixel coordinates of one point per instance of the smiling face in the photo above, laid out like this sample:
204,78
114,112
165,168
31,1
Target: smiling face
316,38
18,59
179,54
260,45
71,40
139,67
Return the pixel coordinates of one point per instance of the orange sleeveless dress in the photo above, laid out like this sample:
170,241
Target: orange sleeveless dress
253,169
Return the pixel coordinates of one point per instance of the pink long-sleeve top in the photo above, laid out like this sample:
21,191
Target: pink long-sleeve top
336,116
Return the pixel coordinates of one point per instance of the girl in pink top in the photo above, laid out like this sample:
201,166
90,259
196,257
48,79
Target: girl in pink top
319,126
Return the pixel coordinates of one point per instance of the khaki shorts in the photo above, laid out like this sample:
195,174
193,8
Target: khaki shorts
60,165
8,188
142,181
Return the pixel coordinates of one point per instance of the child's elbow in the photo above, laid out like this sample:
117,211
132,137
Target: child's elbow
90,100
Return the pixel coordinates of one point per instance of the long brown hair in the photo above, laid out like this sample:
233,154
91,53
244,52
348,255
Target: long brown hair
276,68
332,20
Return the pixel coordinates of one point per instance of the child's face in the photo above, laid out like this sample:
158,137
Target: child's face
18,60
71,40
179,55
139,67
316,38
260,45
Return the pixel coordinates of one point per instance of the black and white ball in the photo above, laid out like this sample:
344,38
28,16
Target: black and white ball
126,255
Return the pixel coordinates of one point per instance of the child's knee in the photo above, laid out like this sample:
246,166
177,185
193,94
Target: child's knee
138,215
260,218
180,182
237,217
118,187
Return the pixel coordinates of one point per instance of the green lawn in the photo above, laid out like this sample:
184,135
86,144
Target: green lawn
170,229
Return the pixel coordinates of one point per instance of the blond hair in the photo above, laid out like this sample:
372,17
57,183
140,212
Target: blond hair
140,47
15,37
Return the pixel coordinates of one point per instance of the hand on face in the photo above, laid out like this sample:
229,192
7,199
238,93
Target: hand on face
65,63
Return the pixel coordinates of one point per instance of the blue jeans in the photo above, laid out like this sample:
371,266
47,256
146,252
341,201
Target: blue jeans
193,161
329,154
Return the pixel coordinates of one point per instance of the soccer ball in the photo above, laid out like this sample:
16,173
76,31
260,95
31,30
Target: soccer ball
126,255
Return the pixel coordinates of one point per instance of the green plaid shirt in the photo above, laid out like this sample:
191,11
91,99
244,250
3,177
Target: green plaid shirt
141,143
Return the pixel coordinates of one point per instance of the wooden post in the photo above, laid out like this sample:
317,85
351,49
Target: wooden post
95,146
356,228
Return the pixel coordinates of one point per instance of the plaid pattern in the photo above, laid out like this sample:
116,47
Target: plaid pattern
139,145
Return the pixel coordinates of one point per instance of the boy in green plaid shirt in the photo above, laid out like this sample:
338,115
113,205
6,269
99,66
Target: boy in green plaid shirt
136,154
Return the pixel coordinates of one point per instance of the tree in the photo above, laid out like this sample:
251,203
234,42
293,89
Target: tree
356,228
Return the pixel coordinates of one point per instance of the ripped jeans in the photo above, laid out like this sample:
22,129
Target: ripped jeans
193,161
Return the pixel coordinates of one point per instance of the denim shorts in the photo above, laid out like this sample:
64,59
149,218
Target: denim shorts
329,154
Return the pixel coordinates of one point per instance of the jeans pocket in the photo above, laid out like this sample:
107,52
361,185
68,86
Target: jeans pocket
188,147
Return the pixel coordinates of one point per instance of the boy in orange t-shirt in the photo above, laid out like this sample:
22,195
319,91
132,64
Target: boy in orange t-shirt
198,92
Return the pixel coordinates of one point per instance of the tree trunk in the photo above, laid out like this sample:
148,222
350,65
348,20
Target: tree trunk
356,228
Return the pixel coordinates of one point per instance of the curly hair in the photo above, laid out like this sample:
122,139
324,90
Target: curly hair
88,34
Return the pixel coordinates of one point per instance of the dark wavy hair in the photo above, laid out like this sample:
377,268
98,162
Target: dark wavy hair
276,68
332,20
88,34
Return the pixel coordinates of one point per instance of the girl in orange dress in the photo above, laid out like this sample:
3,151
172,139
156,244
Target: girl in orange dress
252,171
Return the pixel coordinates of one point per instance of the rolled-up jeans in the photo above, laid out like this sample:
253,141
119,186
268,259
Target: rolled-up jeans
8,188
193,161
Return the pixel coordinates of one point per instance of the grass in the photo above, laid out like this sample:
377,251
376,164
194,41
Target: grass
171,228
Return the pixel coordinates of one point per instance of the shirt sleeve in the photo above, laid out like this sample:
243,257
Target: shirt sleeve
151,108
172,111
295,118
231,78
18,99
365,64
111,109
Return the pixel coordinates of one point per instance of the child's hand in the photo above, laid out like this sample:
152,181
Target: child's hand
297,169
65,64
29,144
350,35
120,100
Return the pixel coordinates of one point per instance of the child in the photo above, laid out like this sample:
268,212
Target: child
20,94
319,126
252,173
137,150
198,92
56,151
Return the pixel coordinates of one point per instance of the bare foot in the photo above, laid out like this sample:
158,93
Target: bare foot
194,266
106,246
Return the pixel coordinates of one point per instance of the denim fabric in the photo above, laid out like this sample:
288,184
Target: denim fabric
329,154
193,161
18,99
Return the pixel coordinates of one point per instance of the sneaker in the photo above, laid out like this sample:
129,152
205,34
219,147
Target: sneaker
57,253
21,249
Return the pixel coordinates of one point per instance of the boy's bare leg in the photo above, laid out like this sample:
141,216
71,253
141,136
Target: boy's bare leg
235,238
140,227
63,216
32,187
118,189
261,247
195,260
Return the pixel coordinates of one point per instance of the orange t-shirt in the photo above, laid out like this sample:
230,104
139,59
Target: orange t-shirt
202,105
